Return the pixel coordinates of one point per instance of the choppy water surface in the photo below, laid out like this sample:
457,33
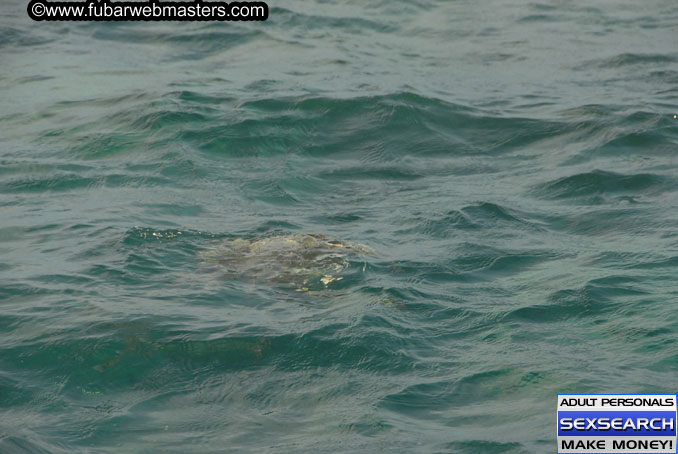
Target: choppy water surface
513,166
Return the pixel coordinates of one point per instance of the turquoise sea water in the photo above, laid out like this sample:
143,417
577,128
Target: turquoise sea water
514,166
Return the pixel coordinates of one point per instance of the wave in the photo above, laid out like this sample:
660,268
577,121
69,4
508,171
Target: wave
601,182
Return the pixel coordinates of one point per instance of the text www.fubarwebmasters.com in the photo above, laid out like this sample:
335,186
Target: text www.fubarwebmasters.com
151,10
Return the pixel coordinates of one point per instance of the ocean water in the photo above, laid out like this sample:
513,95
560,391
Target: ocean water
512,164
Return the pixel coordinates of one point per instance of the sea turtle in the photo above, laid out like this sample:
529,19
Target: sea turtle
299,261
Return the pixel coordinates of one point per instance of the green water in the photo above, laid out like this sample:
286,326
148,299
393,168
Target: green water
512,165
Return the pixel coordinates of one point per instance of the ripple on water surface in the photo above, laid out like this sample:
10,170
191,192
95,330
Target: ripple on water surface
515,182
